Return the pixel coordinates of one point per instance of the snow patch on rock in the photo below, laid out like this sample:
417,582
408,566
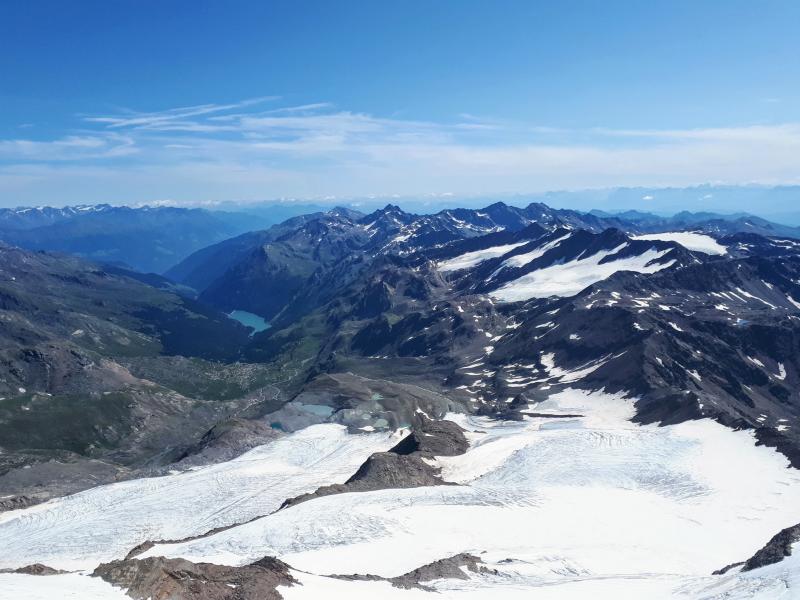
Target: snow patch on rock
698,242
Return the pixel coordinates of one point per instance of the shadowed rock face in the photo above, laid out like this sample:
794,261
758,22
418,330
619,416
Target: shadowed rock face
778,548
226,440
177,579
388,470
434,438
382,470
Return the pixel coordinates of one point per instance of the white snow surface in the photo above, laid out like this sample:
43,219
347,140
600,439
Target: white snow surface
516,581
568,279
67,586
520,260
699,242
104,523
590,506
470,259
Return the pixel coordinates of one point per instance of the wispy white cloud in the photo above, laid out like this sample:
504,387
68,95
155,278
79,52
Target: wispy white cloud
154,120
239,150
751,133
68,148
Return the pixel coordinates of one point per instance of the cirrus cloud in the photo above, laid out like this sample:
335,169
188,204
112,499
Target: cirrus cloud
253,149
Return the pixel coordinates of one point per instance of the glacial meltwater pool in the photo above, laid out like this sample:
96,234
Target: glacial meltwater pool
248,319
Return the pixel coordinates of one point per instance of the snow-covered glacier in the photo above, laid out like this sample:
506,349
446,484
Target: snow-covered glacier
574,501
104,523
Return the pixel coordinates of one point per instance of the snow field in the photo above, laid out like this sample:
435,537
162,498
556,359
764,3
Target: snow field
104,523
594,497
568,279
470,259
698,242
569,508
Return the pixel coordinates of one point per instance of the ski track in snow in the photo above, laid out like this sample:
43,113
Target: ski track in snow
698,242
104,523
569,508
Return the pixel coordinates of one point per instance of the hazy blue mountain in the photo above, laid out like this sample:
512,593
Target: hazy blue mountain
149,239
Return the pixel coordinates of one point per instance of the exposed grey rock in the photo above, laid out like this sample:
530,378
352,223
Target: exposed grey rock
140,549
226,440
403,466
727,568
40,480
382,470
434,438
774,551
378,400
778,548
160,578
388,470
445,568
38,569
34,569
17,502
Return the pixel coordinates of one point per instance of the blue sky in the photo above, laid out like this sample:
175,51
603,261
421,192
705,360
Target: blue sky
195,101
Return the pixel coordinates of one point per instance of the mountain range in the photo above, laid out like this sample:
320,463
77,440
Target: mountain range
486,401
148,239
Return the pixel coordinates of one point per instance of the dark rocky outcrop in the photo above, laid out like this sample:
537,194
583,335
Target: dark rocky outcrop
774,551
388,470
404,466
376,299
34,569
160,578
17,502
226,440
727,568
434,438
382,470
384,401
445,568
778,548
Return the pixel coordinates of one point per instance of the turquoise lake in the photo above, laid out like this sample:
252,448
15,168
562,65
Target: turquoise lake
248,319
